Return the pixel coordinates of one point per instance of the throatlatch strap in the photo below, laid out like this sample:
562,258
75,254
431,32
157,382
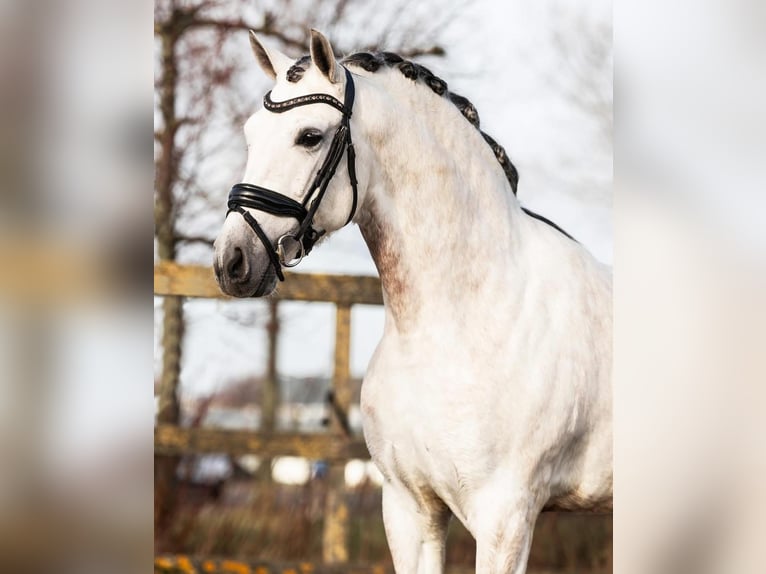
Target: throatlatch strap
351,161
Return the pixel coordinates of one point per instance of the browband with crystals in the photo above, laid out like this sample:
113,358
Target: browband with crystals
285,105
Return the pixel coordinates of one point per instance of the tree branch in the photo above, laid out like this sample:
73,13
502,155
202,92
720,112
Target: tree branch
265,30
195,239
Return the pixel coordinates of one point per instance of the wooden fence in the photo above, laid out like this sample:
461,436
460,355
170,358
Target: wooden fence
336,446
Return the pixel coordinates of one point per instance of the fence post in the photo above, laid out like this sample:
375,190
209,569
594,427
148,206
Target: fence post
165,487
270,392
335,533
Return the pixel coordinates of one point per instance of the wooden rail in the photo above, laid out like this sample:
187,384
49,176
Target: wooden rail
198,281
170,439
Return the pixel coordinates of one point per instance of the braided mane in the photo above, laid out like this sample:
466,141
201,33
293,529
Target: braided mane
372,62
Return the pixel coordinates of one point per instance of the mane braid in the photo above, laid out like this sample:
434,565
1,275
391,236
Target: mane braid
374,61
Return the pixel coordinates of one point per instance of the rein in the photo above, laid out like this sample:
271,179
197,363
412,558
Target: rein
262,199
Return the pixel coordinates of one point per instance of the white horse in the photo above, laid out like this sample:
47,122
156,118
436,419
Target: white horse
489,395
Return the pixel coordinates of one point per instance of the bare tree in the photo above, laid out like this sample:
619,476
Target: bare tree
204,91
585,47
582,43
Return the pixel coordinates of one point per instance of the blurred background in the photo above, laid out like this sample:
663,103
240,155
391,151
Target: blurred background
541,77
78,79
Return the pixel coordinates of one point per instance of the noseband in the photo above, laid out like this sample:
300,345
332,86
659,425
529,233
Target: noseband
253,196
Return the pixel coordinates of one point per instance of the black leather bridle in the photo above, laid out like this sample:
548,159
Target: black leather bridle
253,196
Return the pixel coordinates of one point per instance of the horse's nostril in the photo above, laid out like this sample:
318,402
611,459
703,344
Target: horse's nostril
234,266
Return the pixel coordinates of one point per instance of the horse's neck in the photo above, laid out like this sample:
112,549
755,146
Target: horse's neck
439,217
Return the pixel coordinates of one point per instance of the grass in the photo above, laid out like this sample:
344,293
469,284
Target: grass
267,521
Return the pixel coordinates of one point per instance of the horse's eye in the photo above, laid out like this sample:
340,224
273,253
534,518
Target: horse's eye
309,138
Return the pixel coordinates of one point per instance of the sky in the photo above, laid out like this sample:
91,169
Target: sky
504,57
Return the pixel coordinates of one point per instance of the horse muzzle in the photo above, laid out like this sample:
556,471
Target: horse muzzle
241,273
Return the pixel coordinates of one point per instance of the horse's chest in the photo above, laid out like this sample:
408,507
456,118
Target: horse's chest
409,451
419,438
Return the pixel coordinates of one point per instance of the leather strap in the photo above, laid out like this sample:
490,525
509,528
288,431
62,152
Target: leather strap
285,105
265,240
263,199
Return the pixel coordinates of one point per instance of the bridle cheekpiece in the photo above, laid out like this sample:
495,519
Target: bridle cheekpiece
244,195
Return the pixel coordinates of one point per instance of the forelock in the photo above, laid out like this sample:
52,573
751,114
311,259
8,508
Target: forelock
296,71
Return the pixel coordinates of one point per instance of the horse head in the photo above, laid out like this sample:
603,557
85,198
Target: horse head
291,193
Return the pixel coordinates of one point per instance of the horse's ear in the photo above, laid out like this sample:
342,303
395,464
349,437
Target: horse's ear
323,57
271,61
